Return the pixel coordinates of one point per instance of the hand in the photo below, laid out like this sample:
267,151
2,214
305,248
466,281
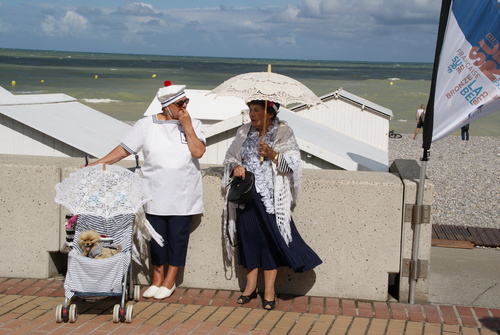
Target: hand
184,118
239,171
265,151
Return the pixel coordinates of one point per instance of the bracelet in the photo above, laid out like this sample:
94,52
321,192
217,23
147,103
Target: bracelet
275,159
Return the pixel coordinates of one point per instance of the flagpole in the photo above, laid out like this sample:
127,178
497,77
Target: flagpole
427,140
417,222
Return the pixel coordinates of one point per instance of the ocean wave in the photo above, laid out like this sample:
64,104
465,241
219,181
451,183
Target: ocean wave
394,78
402,120
99,101
30,92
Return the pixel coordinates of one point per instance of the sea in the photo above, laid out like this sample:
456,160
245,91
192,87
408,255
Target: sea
123,85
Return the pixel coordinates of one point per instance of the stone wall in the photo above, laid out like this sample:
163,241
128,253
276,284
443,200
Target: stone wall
353,220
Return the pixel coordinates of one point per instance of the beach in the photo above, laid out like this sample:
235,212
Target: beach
122,86
464,174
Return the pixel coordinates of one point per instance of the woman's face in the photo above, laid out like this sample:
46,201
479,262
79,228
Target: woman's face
177,106
257,117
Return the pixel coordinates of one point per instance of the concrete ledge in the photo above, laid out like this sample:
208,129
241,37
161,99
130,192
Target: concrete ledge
353,220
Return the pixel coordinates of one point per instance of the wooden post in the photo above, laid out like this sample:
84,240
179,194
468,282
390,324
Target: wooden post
265,115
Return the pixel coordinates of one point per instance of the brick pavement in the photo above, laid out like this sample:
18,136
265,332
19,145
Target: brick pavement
27,306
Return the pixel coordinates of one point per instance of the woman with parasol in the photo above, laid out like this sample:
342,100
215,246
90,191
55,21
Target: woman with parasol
266,234
172,143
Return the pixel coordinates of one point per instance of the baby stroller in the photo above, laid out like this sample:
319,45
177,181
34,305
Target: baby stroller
105,199
91,278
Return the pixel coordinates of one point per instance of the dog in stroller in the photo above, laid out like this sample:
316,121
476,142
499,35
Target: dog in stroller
90,243
91,275
105,199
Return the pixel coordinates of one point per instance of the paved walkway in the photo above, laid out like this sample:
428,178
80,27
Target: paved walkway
27,306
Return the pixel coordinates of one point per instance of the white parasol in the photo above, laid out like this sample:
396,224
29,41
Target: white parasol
103,190
267,86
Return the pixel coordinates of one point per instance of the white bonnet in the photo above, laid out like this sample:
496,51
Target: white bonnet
170,93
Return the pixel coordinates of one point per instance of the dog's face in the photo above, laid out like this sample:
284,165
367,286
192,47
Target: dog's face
88,240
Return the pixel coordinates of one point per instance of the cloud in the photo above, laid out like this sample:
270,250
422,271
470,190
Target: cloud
70,24
383,12
339,27
89,11
286,41
152,23
290,13
311,8
137,9
4,26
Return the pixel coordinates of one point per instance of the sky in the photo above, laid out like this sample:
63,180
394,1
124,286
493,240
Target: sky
357,30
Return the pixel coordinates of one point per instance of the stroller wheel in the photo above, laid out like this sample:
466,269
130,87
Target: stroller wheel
59,317
129,314
137,293
73,315
116,313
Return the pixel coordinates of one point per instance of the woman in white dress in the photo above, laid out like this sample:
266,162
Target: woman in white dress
172,143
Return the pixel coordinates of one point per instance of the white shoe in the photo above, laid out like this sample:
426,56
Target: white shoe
164,292
151,291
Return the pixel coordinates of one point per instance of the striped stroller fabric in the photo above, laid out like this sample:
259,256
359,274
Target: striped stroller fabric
89,276
119,228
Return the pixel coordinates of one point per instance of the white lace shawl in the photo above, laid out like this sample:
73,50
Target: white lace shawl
286,185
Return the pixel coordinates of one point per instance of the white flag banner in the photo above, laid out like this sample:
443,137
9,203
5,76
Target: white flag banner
468,77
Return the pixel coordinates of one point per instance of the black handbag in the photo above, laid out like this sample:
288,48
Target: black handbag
241,191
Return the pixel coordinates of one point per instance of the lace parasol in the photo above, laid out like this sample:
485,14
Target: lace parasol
103,190
267,86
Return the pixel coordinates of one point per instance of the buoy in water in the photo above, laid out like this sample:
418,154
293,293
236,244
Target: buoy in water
96,76
42,81
391,83
13,83
153,76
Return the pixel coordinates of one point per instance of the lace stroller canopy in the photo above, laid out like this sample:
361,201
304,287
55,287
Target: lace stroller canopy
103,190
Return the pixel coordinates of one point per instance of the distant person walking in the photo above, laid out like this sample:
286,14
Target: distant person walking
419,117
465,132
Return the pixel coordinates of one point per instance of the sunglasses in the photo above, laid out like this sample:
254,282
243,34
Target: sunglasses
182,102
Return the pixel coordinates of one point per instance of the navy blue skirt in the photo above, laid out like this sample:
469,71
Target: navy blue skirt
260,244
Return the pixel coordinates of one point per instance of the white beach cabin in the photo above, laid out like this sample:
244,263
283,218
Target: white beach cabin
351,115
55,125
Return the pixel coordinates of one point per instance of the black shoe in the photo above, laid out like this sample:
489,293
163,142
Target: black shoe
245,299
269,305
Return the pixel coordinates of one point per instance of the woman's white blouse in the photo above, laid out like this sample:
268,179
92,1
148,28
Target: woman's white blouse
174,175
263,171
